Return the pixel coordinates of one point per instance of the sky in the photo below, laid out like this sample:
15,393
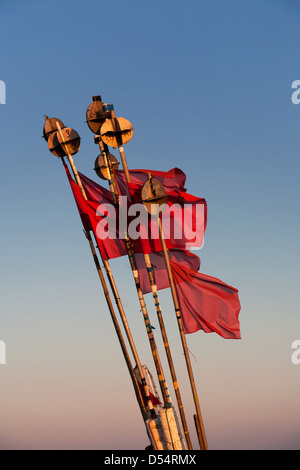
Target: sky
207,86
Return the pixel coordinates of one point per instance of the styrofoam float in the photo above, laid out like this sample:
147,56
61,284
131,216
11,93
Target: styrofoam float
164,431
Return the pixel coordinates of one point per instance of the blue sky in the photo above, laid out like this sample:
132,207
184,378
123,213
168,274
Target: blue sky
207,87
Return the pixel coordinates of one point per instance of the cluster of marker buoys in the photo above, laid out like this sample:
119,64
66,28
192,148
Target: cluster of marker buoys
109,131
100,117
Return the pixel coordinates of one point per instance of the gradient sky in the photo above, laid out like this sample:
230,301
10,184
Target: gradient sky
207,87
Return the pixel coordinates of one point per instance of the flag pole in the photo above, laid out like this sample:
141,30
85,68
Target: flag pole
197,417
133,265
118,330
118,301
114,189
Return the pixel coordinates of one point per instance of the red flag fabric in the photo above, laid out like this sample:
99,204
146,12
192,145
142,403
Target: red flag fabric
95,215
171,180
80,202
183,220
185,259
155,401
206,303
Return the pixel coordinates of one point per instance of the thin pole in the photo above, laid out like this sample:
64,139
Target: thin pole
118,301
120,146
198,417
118,330
128,333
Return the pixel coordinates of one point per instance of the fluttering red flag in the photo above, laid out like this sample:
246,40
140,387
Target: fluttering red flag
80,202
206,303
183,220
95,213
171,180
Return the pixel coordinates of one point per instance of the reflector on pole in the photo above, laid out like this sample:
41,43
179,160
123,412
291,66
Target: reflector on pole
64,142
50,126
96,114
101,165
116,132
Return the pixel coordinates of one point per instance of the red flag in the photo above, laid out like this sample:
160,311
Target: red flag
95,215
183,220
80,202
206,303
